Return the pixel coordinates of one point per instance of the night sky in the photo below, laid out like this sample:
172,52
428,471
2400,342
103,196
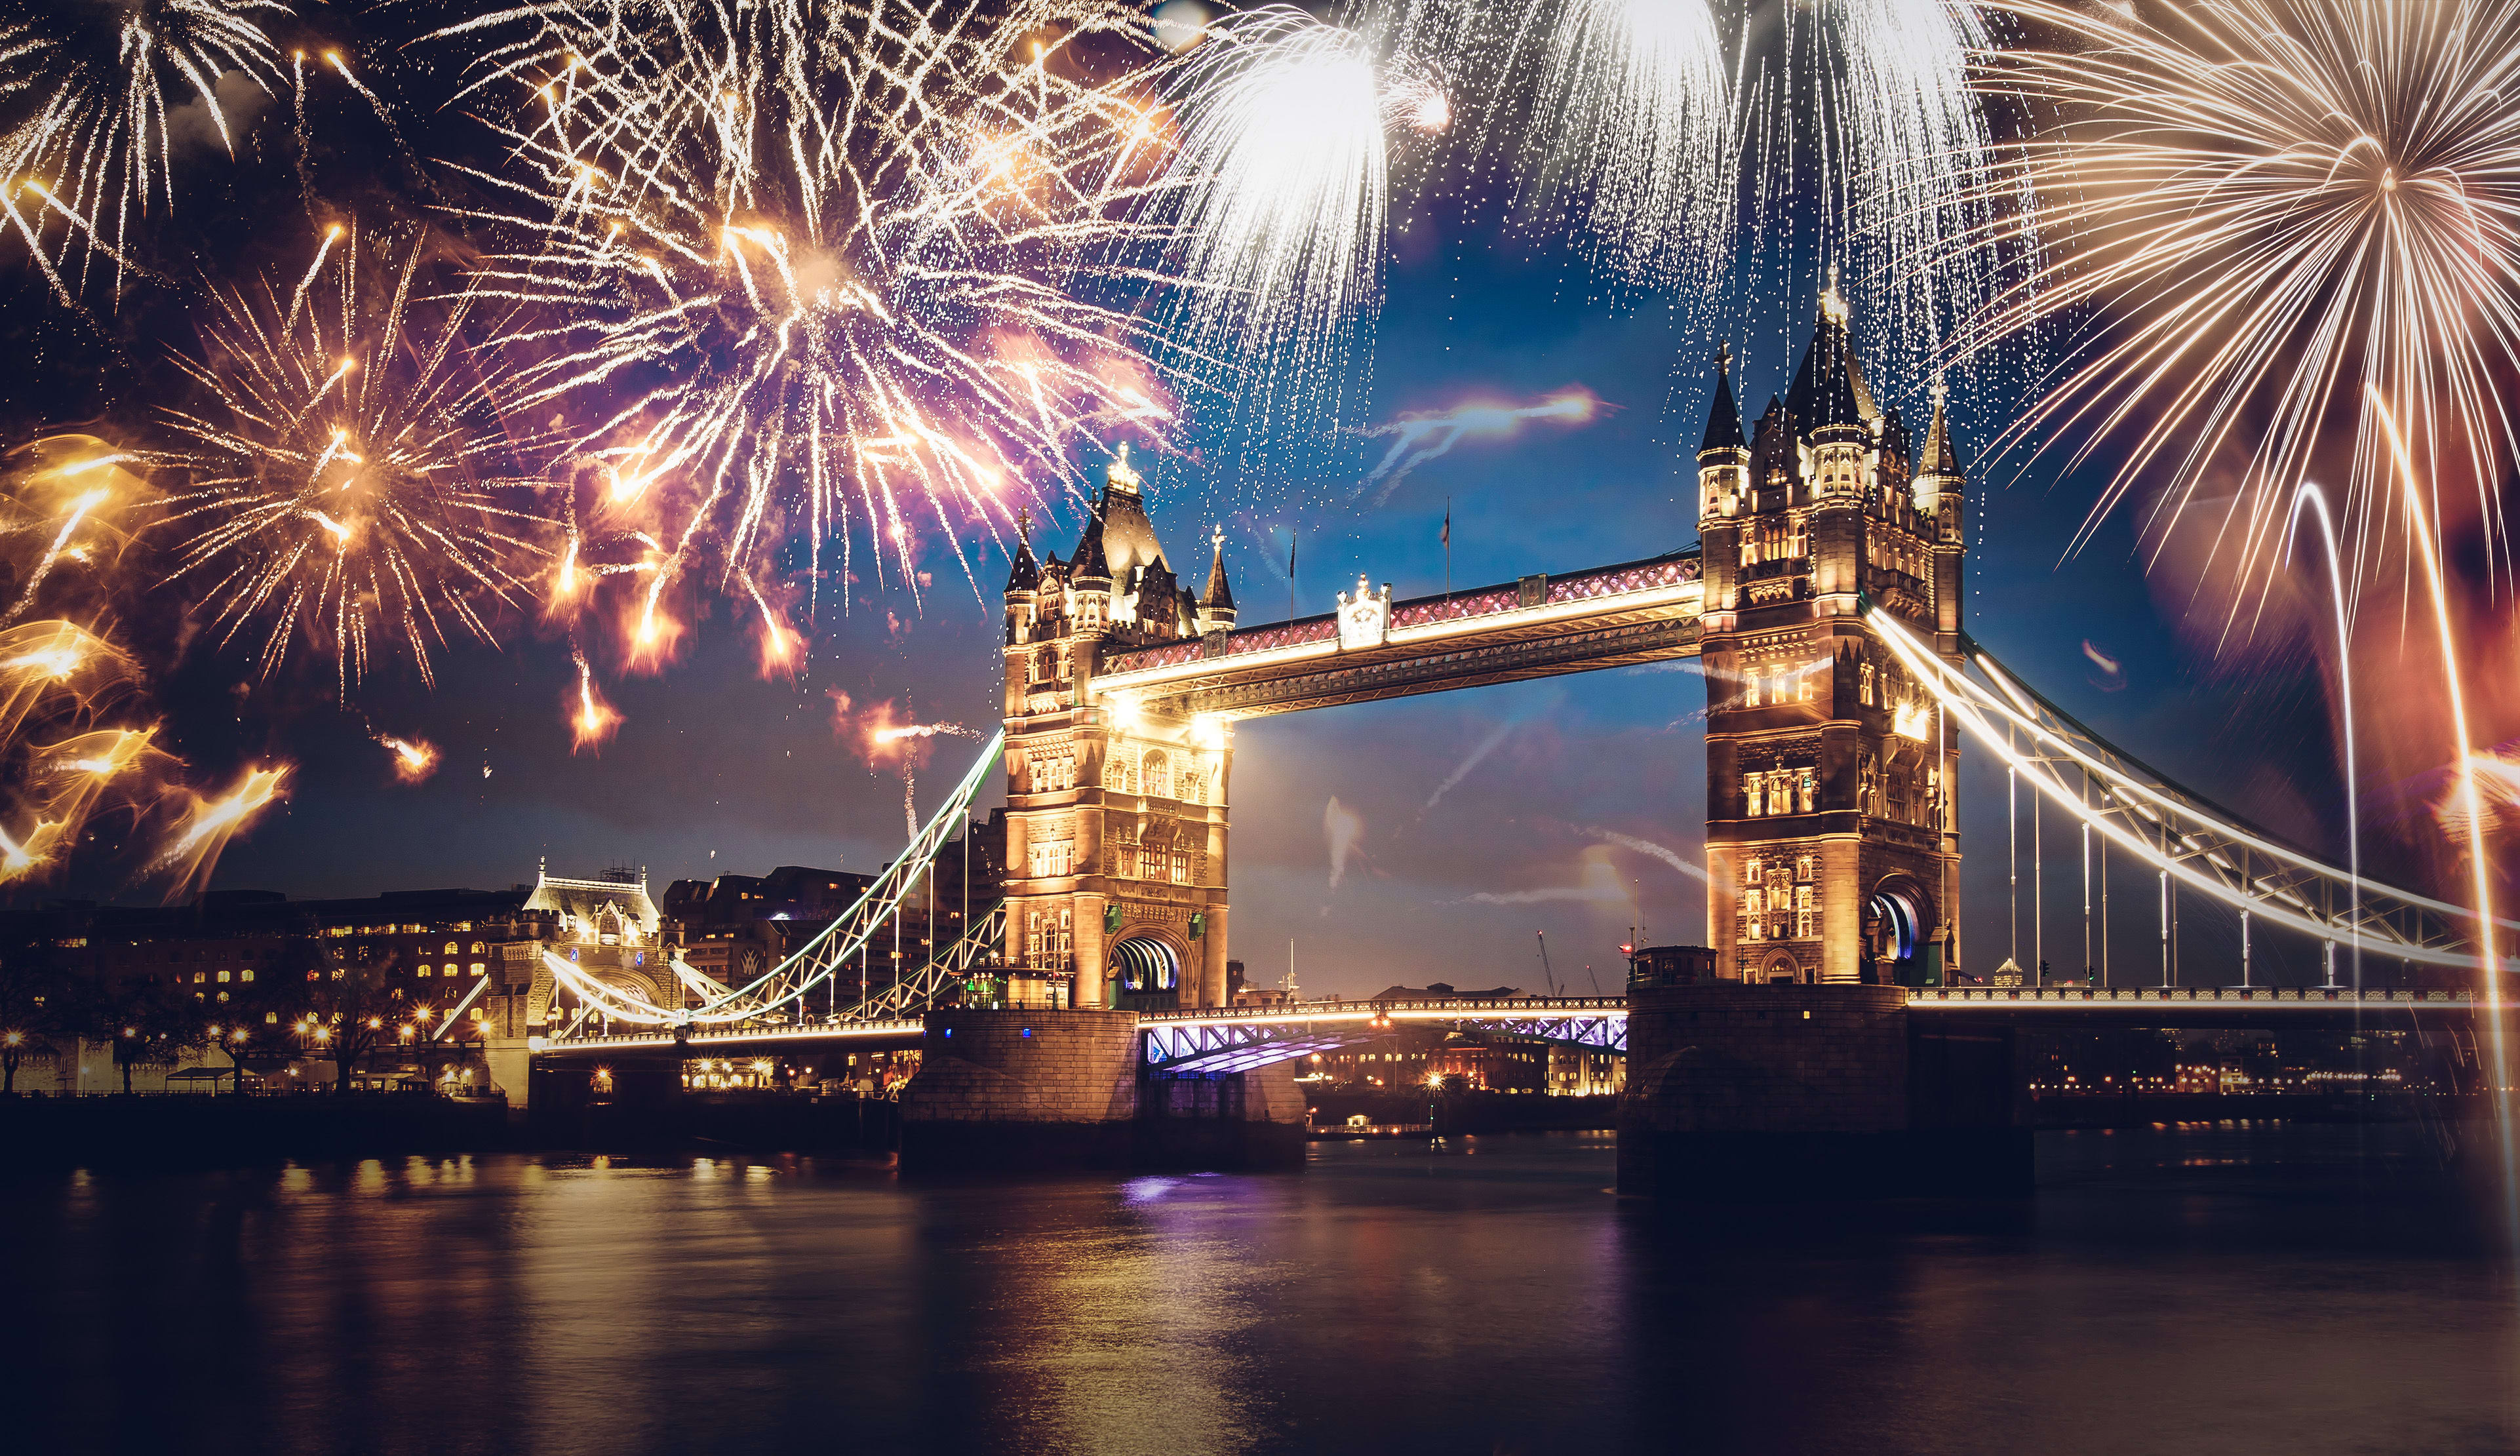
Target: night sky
1456,864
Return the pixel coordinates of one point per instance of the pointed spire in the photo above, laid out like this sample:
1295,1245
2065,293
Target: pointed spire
1088,560
1026,573
1723,416
1939,458
1219,596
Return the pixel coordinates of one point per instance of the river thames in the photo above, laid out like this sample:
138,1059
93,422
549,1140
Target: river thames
2170,1289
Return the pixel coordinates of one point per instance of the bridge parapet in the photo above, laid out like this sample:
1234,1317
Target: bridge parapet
2320,998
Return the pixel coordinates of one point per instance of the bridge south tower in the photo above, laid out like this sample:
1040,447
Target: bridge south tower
1832,843
1115,807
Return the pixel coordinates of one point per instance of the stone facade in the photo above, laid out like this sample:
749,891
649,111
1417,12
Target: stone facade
1832,844
1116,812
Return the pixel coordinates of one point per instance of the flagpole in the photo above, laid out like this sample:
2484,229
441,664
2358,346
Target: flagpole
1448,548
1291,575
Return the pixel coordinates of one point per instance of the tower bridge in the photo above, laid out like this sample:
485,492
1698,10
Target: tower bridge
1824,596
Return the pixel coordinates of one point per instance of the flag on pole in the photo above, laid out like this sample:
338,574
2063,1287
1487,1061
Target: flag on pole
1291,556
1448,521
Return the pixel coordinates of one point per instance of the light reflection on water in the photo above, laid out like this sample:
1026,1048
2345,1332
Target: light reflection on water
2300,1290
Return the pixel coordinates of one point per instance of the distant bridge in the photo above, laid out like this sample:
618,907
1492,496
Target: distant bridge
1238,1038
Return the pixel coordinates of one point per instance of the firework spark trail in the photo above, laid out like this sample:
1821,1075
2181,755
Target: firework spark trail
1277,199
816,267
92,140
1477,753
56,660
1630,143
210,824
1598,881
2260,209
1409,435
1664,853
1343,831
340,495
1834,132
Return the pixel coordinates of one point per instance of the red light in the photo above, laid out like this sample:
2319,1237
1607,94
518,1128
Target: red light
1627,950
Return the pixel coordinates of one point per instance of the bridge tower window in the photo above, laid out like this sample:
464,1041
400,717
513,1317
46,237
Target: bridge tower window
1159,775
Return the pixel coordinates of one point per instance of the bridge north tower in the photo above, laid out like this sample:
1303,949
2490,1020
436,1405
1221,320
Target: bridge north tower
1116,808
1831,843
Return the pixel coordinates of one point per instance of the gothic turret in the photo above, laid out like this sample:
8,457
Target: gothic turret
1939,475
1724,457
1216,603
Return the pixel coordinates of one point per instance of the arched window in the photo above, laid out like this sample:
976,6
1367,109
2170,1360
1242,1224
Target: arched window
450,947
1758,787
1159,776
1045,665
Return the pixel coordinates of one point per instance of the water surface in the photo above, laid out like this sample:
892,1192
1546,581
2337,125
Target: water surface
2205,1290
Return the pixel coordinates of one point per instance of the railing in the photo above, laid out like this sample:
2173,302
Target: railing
2232,996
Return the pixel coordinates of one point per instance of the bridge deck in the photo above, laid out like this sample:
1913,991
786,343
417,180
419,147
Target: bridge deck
1599,1022
1541,627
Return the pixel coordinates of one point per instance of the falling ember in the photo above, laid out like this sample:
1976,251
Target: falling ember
591,717
783,649
23,860
210,824
414,762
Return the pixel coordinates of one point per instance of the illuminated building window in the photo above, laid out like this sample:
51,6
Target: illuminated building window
223,977
1754,902
245,974
1754,873
450,947
477,968
1757,785
1158,776
1805,788
1181,872
1803,867
1864,694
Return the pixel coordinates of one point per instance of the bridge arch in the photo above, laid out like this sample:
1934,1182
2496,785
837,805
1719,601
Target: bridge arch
1901,927
1147,962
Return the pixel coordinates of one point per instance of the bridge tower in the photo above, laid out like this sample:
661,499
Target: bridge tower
1832,843
1116,812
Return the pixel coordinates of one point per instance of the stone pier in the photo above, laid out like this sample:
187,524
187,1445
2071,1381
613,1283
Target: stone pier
1760,1094
1064,1089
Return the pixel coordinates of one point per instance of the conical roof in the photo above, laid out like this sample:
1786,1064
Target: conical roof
1829,389
1219,596
1938,457
1026,573
1723,416
1089,559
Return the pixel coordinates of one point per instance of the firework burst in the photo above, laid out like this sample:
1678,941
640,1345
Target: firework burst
2264,214
809,271
1274,206
97,97
342,488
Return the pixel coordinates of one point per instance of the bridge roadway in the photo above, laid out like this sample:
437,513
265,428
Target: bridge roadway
1238,1039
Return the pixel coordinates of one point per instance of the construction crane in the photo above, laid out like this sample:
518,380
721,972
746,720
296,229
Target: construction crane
1543,961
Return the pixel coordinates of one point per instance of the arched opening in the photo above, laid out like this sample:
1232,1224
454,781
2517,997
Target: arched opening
1158,776
1781,969
1146,973
1899,946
